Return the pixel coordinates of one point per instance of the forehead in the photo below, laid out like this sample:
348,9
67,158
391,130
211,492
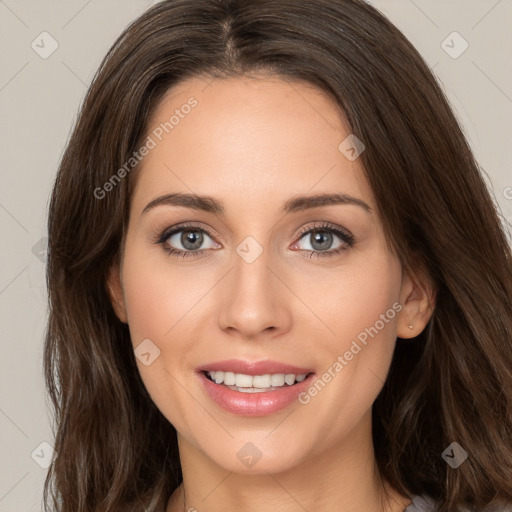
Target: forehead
248,141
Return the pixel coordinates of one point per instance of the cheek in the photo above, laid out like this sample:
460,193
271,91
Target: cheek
354,344
159,306
366,324
359,309
353,297
160,295
166,306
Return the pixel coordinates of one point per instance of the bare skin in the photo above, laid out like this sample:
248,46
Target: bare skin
254,143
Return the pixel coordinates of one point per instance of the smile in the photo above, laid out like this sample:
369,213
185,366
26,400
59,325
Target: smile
253,388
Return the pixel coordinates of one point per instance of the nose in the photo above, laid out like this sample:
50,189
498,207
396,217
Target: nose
254,301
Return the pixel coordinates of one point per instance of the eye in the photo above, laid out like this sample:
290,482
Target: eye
191,239
187,240
321,238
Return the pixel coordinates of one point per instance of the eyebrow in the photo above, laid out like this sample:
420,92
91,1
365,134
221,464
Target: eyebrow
294,204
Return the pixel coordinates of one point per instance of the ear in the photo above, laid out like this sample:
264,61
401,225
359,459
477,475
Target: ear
115,291
418,302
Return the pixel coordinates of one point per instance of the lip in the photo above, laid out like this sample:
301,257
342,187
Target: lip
254,404
253,368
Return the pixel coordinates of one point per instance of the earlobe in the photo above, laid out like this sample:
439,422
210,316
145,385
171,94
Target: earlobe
418,302
115,292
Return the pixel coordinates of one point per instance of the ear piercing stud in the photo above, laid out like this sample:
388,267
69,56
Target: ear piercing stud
411,327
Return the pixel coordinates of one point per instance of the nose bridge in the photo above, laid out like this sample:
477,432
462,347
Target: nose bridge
251,266
251,275
253,297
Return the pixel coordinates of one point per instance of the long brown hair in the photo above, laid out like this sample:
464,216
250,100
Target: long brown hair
453,383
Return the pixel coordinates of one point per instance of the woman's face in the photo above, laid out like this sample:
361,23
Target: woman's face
256,283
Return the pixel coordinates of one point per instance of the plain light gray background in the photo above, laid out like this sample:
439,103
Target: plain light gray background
39,98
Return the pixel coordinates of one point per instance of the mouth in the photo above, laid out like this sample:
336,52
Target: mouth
253,389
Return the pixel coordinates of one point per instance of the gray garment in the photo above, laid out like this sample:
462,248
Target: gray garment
425,503
422,503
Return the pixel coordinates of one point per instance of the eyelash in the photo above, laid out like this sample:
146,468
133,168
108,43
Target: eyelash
344,235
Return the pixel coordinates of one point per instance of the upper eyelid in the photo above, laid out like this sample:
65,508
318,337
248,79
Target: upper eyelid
168,232
327,226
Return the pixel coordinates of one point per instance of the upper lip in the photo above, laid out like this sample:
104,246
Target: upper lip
253,367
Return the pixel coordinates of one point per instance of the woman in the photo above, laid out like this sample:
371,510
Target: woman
275,281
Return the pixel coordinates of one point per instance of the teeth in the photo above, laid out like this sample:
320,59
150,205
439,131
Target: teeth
252,383
278,379
261,381
242,381
290,379
229,378
247,390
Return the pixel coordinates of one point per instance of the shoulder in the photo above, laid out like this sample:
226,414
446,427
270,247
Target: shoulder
425,503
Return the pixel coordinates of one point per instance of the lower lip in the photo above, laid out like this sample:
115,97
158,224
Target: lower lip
254,404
